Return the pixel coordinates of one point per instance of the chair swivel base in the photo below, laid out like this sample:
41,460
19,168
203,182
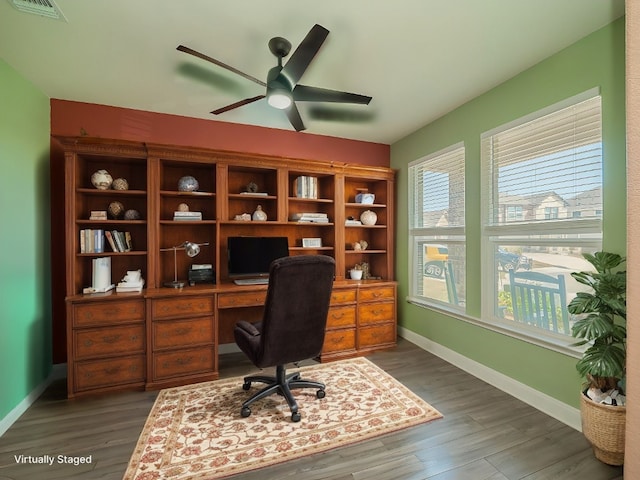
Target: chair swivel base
282,384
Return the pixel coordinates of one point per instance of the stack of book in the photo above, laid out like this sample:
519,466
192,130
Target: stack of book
306,187
310,217
119,241
132,282
98,215
187,216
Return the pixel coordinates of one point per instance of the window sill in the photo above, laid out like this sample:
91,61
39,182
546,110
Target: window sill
530,335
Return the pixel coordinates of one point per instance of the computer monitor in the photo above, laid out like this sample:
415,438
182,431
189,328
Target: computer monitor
250,257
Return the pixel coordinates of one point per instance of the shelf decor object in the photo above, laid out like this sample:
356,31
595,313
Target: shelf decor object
102,180
368,217
191,249
188,184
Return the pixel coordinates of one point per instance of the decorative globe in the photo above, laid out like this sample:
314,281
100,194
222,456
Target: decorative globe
115,210
120,184
188,184
101,180
132,214
183,207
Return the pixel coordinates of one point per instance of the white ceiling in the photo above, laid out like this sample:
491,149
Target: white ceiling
418,59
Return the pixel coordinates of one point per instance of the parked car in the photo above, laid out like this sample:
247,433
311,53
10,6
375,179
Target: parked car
512,261
436,255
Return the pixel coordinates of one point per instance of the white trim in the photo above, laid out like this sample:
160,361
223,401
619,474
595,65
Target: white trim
541,401
58,371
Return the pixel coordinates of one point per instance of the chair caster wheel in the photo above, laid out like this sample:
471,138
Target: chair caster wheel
320,393
295,417
246,386
245,412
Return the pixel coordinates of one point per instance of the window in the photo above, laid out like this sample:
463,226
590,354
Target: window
542,204
436,229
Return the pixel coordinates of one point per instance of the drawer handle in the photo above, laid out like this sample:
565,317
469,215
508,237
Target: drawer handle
184,360
377,311
337,316
377,294
112,370
338,339
182,331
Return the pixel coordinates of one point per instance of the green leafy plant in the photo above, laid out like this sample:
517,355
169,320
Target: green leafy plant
602,317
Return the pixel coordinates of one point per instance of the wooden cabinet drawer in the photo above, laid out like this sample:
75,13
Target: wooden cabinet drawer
182,307
375,294
99,342
183,362
378,335
241,299
181,333
339,340
376,312
109,372
343,296
341,317
108,313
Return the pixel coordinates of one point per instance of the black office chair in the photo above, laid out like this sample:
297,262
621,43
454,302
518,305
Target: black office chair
292,326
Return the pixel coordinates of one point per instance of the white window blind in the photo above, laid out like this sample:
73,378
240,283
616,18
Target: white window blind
437,194
436,229
548,168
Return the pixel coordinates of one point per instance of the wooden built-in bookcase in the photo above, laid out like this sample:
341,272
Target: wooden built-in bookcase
166,337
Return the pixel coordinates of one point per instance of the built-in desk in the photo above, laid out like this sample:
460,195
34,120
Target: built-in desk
164,337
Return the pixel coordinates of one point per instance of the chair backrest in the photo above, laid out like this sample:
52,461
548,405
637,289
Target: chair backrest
296,308
539,299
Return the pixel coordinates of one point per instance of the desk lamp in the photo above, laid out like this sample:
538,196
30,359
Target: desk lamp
191,249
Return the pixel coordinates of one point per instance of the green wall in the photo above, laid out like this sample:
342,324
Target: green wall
595,61
25,285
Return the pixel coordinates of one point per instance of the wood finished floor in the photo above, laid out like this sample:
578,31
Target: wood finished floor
485,434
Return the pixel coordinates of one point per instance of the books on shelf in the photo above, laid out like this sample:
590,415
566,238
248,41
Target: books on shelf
119,241
92,240
306,187
352,222
310,217
187,216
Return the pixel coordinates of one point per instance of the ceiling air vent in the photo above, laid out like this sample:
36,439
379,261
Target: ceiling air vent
46,8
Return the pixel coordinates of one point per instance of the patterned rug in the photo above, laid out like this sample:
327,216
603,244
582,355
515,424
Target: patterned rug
196,431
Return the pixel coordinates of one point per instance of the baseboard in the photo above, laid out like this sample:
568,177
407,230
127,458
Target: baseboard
58,372
560,411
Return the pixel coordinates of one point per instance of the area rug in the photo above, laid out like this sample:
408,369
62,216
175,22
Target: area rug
196,431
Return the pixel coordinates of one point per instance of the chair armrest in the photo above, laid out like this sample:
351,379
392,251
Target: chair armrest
248,327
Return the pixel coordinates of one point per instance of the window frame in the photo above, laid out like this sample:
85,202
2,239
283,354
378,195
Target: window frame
453,235
570,231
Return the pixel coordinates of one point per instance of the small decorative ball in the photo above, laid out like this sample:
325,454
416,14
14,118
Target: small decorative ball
252,187
183,207
101,180
132,214
368,217
120,184
188,184
115,210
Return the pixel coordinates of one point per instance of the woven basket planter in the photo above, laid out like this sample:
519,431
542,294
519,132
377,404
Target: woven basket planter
604,427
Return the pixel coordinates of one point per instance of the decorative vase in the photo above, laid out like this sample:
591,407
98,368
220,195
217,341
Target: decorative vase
188,184
368,217
259,215
101,180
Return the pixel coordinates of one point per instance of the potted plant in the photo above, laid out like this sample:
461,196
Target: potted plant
601,324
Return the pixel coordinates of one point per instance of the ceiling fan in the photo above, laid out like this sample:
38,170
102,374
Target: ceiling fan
282,87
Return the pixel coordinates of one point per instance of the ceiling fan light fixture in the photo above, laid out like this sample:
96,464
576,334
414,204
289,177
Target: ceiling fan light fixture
279,99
